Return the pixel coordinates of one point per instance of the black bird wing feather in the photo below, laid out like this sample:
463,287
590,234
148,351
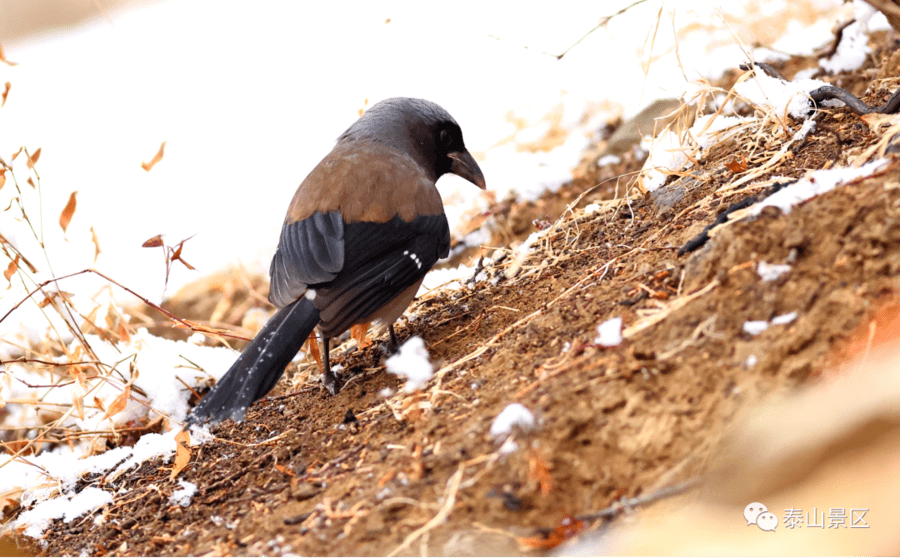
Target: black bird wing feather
310,251
379,261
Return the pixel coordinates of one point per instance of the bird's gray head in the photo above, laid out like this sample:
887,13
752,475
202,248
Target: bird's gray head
421,129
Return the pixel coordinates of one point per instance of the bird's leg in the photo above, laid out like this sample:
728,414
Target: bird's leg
390,347
395,343
329,379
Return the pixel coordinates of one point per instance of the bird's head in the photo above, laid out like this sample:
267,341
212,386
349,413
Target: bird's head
424,131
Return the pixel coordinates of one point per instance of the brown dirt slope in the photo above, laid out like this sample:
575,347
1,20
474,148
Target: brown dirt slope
362,474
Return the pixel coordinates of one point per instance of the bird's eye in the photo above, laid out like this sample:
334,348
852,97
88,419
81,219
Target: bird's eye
446,138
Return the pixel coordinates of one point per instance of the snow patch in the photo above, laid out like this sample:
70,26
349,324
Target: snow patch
755,327
182,496
815,184
515,414
411,362
783,97
771,272
67,506
609,333
667,151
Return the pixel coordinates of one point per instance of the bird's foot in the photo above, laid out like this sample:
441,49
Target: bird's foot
390,346
331,382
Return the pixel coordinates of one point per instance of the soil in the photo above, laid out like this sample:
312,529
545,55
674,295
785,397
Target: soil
364,474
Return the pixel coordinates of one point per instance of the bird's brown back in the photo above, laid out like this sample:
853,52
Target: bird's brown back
366,181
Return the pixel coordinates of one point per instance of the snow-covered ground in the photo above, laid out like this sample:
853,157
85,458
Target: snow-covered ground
248,98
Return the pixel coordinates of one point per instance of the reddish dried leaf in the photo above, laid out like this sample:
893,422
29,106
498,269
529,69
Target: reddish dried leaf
156,158
119,403
313,349
154,242
30,182
359,332
285,470
3,180
78,402
4,60
5,93
176,255
539,470
182,453
11,269
123,333
33,158
96,244
737,166
568,528
16,154
66,216
98,403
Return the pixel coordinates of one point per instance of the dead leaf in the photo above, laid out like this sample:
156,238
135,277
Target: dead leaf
16,154
359,332
2,177
78,402
182,453
30,182
156,158
5,93
176,254
285,470
119,403
4,60
154,242
11,269
313,349
568,528
33,158
66,216
96,244
737,166
539,470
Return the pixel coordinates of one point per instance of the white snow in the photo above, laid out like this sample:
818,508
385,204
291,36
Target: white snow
150,446
755,327
784,318
591,208
68,507
411,362
853,49
514,414
68,469
816,183
758,326
783,97
771,272
609,333
667,151
507,447
608,160
182,496
450,278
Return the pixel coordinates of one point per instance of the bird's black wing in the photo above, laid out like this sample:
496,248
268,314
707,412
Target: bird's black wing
310,251
381,260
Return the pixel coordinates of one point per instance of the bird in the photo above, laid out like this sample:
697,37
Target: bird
361,232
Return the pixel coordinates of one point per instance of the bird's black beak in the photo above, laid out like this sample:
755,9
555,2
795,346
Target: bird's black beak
465,166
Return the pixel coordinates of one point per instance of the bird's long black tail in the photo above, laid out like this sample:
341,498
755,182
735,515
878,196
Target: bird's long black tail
261,364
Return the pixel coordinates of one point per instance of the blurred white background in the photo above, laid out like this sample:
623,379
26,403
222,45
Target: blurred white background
250,95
